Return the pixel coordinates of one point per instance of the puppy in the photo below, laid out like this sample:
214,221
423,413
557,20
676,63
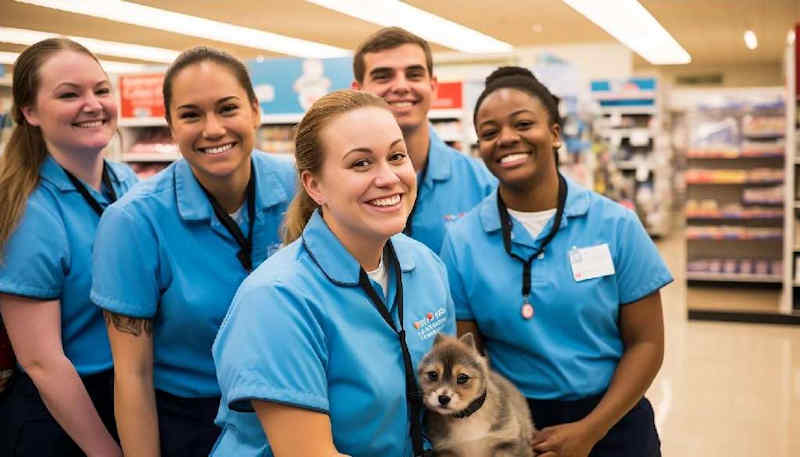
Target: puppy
472,410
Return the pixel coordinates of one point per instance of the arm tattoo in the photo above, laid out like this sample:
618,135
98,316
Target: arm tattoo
127,324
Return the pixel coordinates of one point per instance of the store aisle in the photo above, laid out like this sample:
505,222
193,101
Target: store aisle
727,390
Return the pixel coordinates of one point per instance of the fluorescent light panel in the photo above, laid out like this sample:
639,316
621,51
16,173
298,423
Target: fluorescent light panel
145,16
109,66
108,48
630,23
429,26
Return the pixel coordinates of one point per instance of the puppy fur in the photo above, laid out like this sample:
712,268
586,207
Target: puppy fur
452,376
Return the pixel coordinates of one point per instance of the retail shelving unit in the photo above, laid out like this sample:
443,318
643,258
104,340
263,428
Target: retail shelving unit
790,302
734,185
5,109
630,121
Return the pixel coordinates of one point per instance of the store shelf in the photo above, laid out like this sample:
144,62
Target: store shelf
5,81
733,277
143,122
734,183
150,157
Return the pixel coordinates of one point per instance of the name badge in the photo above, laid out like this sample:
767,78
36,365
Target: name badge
591,262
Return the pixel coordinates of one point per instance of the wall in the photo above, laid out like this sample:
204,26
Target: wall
743,75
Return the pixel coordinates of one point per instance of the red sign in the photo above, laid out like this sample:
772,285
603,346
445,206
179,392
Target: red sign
141,95
448,96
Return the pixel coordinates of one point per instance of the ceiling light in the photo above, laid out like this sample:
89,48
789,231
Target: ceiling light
108,48
750,40
109,66
630,23
145,16
429,26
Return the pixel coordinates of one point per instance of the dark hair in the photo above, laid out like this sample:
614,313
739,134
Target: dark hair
26,150
309,152
388,38
200,54
521,79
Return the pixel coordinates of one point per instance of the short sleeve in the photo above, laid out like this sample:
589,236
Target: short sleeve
125,265
36,258
457,292
639,267
272,347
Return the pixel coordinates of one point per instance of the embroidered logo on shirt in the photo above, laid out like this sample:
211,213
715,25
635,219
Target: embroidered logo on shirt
431,323
453,217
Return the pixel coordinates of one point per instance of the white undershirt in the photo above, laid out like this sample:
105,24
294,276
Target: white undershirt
237,215
379,275
533,221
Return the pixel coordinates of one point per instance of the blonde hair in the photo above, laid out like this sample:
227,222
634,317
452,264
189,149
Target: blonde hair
309,150
26,149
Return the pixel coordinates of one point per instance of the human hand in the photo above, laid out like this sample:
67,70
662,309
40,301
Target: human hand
574,439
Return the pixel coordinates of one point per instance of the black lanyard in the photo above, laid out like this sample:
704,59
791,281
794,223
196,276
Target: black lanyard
245,254
505,223
106,180
413,395
407,230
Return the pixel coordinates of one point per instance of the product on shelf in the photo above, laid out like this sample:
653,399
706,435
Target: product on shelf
729,176
277,139
764,125
710,209
731,232
154,140
763,196
736,266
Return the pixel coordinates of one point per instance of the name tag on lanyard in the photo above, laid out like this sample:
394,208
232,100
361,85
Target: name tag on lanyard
591,262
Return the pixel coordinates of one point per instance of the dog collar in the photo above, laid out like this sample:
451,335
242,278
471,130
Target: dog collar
472,407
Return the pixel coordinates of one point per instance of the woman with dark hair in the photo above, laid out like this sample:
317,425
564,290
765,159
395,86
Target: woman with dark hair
317,354
170,255
561,283
54,184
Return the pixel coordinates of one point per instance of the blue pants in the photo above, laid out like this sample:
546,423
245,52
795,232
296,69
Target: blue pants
28,429
186,425
634,435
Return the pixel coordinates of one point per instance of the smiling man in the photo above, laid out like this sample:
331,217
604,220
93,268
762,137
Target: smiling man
397,65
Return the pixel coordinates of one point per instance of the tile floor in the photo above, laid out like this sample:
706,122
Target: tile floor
727,390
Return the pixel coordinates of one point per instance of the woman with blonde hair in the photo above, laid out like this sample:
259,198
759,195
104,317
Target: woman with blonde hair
54,184
317,353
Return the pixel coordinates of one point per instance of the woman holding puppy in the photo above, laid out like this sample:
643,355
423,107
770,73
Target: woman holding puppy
561,283
318,353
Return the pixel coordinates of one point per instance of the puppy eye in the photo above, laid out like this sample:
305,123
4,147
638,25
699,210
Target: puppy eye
432,376
462,379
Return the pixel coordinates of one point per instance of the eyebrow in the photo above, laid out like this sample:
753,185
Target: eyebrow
391,69
519,111
218,102
77,86
368,150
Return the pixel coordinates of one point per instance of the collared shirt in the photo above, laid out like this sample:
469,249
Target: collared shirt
571,346
301,332
48,257
162,254
453,185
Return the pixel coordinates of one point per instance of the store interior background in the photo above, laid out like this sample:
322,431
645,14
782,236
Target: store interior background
707,153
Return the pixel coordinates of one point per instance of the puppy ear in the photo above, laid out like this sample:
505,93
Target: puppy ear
469,339
440,338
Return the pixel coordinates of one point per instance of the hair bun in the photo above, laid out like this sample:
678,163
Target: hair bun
503,72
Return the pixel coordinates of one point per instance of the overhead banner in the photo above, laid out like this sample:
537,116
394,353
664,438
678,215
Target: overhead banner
292,85
141,95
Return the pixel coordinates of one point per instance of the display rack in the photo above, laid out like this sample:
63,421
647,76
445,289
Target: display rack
734,189
630,121
5,110
790,302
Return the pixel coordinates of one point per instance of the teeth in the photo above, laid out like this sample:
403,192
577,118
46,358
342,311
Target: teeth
217,149
89,124
402,104
513,157
389,201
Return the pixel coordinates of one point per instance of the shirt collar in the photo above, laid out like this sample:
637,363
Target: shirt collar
194,205
52,172
439,161
578,199
338,265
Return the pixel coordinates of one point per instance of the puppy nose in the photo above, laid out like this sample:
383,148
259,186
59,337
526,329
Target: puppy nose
444,400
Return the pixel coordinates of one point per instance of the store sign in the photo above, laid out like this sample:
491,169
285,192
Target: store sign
141,95
291,85
449,95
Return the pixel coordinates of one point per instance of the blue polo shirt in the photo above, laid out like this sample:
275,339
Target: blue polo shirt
453,185
162,254
48,257
302,332
572,345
